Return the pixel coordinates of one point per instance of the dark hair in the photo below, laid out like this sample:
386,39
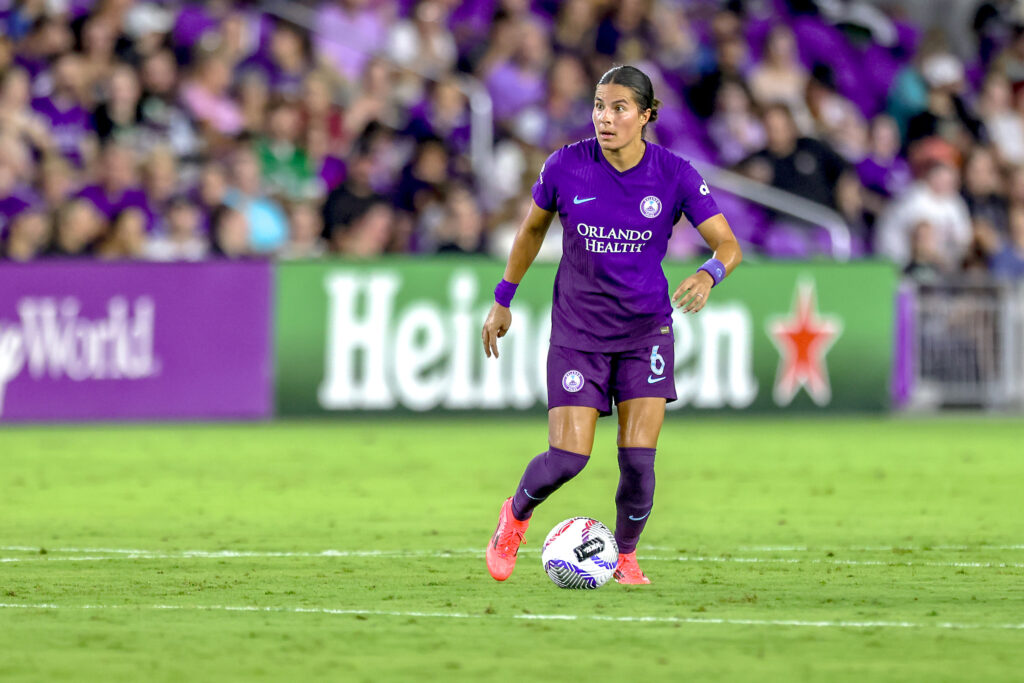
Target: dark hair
637,81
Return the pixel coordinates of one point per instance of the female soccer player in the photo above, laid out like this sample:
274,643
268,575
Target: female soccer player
618,197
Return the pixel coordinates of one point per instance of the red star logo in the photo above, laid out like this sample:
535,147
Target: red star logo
803,338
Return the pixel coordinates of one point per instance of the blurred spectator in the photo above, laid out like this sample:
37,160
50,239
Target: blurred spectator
28,235
462,229
212,191
126,238
564,115
118,187
518,81
180,240
575,29
351,31
422,42
79,226
304,234
882,171
285,166
264,218
800,165
320,116
350,199
230,233
1007,261
119,116
444,115
163,118
946,115
730,65
161,180
375,102
1003,123
17,119
58,181
984,191
734,127
933,199
253,100
780,78
206,96
68,120
368,235
835,119
99,34
926,262
286,63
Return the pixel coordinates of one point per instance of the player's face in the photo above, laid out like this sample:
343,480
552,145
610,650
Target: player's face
618,120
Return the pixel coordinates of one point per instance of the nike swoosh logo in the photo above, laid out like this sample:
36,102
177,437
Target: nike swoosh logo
653,380
529,496
637,519
577,200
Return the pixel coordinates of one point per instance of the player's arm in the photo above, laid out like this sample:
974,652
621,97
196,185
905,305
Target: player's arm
527,243
693,292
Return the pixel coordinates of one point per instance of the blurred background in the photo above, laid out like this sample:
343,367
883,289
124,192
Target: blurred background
203,206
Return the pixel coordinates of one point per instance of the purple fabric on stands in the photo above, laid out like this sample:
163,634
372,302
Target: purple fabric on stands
513,89
13,204
885,179
70,126
110,206
347,39
333,171
192,23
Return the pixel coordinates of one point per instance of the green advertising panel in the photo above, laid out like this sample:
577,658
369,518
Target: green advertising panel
404,334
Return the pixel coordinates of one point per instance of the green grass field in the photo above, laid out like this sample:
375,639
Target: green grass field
780,550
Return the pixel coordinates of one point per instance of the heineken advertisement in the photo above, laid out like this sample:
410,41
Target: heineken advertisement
405,335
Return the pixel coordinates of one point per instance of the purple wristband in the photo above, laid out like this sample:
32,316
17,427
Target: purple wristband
714,268
504,292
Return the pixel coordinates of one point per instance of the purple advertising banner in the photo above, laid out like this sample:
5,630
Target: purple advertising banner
130,341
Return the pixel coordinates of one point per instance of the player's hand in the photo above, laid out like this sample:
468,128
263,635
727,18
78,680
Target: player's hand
497,324
693,293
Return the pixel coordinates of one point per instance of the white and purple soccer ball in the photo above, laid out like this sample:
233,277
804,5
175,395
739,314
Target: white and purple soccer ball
580,553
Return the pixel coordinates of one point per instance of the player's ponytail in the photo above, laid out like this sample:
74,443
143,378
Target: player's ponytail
637,81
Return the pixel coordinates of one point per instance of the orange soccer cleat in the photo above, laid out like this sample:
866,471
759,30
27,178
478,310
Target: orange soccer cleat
501,551
628,572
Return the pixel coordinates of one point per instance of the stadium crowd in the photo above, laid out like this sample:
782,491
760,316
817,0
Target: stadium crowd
173,130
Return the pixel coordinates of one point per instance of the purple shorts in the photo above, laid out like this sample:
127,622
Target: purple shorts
595,379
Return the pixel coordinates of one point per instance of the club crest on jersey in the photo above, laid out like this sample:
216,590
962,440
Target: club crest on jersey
572,381
650,206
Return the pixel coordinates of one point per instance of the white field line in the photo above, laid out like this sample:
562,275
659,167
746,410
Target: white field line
531,617
432,553
113,554
869,548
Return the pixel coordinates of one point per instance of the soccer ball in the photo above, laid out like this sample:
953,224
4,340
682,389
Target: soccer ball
580,553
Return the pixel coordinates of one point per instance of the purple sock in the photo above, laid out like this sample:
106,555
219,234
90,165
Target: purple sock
543,476
635,497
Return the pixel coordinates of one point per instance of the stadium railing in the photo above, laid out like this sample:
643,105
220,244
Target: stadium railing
967,345
783,202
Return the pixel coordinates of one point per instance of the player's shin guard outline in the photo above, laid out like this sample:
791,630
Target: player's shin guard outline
543,476
635,496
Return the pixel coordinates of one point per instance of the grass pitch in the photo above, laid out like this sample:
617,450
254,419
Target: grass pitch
790,550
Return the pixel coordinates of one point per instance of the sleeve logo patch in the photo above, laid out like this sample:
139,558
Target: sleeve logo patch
704,191
650,206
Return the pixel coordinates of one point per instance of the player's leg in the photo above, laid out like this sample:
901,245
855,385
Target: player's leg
640,421
577,396
643,383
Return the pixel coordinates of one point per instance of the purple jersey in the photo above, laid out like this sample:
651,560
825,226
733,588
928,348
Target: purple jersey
610,291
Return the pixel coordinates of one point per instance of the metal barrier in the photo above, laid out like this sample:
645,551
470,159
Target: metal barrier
968,346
